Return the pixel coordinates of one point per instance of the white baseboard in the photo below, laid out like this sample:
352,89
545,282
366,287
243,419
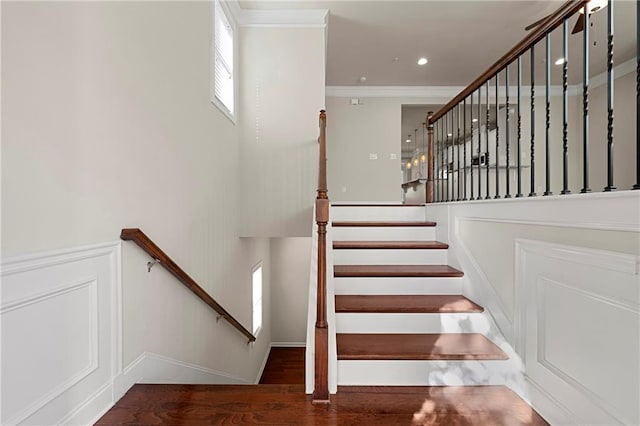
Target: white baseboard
289,344
154,368
546,405
263,365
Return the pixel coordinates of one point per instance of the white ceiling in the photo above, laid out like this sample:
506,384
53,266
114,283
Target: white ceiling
460,38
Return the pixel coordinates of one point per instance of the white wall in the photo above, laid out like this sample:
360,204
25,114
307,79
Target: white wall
281,98
354,132
107,124
560,276
290,259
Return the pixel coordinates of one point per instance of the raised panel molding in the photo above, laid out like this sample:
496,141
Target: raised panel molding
61,334
578,328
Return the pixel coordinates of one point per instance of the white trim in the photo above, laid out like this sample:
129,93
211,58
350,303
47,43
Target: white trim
231,115
606,259
263,365
29,262
150,367
102,398
451,92
570,211
601,79
546,405
288,344
473,273
448,92
271,18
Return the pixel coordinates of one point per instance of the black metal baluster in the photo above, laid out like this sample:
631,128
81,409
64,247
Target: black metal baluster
443,146
497,142
453,156
471,144
448,144
464,149
532,192
486,137
610,182
508,129
637,184
585,102
436,168
519,194
565,106
479,144
547,153
458,181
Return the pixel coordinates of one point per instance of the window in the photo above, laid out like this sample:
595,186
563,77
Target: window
256,285
223,47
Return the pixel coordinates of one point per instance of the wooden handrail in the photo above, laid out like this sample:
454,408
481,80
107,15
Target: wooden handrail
145,243
321,359
553,21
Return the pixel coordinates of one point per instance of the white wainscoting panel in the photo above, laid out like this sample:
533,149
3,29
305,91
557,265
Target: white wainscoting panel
578,328
61,335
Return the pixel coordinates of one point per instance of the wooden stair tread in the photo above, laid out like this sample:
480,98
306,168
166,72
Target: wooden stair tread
449,346
382,223
405,304
395,271
418,245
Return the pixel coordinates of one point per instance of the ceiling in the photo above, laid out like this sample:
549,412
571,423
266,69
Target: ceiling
461,39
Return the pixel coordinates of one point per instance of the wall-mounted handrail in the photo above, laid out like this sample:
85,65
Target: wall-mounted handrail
321,357
159,256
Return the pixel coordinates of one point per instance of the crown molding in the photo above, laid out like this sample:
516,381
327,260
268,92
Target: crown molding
271,18
394,91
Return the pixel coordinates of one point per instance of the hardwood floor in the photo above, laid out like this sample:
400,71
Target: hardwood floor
287,404
284,366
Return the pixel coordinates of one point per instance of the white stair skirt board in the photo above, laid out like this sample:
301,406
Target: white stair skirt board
428,373
399,285
390,257
411,323
377,213
377,233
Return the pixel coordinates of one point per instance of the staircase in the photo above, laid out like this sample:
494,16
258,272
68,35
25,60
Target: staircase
401,318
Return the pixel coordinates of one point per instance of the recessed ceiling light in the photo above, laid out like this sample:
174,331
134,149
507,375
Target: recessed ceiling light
449,134
475,120
559,61
363,79
422,61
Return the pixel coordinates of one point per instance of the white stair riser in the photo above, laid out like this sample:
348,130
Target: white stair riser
377,213
397,285
426,373
389,257
386,233
411,323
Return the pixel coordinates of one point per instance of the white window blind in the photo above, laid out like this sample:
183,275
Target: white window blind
256,284
223,71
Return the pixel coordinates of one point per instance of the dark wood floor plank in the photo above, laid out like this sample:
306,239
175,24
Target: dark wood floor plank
284,366
375,245
395,271
449,346
288,405
405,304
382,223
